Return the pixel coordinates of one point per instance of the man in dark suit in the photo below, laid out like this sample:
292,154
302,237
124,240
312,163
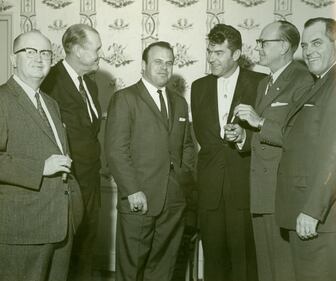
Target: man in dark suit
223,171
306,190
277,44
40,203
77,96
150,154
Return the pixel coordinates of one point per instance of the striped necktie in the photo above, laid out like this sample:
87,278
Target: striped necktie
163,107
42,113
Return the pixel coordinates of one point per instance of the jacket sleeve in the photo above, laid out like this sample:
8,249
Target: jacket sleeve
117,145
16,170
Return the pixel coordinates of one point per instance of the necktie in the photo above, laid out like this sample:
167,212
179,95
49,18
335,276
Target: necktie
270,83
42,113
84,96
163,107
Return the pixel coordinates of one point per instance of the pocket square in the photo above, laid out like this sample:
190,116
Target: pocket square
182,119
308,104
275,104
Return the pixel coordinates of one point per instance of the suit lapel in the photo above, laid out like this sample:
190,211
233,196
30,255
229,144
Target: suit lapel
315,90
277,88
28,106
145,96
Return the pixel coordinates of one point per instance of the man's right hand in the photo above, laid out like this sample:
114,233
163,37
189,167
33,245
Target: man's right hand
138,202
57,163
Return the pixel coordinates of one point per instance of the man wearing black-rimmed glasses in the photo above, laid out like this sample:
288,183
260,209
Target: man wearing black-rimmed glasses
287,82
40,202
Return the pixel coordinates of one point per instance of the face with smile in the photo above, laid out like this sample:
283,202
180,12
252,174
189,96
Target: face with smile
223,62
159,66
318,51
31,69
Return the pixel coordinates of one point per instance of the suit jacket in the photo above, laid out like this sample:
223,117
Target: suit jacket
33,209
221,168
292,83
306,178
82,133
140,147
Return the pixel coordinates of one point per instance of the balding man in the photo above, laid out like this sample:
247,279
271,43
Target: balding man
288,81
77,97
40,203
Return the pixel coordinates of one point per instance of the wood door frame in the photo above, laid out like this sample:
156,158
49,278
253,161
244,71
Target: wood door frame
9,19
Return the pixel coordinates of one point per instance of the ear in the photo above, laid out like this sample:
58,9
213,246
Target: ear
285,47
77,50
13,60
236,55
143,66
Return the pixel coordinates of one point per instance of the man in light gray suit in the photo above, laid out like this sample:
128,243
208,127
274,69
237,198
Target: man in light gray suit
40,203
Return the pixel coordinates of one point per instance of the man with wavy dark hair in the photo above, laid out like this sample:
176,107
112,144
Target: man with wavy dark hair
223,171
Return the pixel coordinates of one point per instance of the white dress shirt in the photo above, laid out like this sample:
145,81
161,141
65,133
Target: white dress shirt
74,77
31,95
152,90
225,91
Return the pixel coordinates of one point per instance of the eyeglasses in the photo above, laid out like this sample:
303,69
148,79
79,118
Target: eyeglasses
261,42
32,53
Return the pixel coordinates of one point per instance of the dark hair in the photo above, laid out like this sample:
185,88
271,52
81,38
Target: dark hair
289,33
330,25
162,44
221,32
76,35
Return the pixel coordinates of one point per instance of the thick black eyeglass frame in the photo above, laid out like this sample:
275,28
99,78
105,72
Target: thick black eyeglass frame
43,53
261,42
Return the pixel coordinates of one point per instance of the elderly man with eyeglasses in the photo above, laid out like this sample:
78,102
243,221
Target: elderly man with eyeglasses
287,82
40,201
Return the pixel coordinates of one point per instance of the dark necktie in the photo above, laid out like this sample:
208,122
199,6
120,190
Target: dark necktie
84,96
42,113
269,84
163,107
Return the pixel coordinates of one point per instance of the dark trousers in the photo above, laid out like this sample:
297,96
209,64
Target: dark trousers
314,259
83,249
147,246
274,256
228,244
43,262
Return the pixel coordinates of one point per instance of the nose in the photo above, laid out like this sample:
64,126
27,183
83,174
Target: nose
257,47
211,57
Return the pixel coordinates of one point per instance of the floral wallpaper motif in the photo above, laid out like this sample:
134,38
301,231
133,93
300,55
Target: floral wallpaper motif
5,5
248,24
182,58
182,24
119,24
58,53
116,56
118,3
249,3
57,25
56,4
183,3
319,3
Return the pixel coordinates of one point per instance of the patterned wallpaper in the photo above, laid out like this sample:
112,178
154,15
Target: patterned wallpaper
127,26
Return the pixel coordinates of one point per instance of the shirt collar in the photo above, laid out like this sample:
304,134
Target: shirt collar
321,76
73,74
231,79
277,73
28,90
151,88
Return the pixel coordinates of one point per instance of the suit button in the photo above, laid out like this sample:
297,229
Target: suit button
252,170
263,147
265,170
66,192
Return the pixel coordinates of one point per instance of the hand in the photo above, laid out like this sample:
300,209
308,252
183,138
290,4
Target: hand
247,113
233,133
306,226
138,202
57,163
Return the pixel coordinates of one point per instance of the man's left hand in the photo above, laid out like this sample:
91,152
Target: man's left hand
306,226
